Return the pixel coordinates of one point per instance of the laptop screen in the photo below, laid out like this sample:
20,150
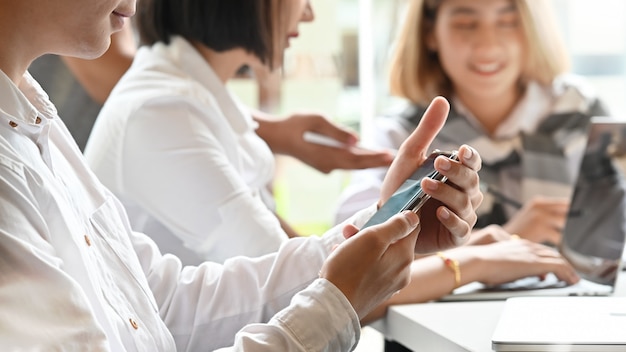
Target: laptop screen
595,231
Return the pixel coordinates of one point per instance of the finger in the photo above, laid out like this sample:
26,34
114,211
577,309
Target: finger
564,271
416,147
556,209
349,230
556,202
458,174
397,227
542,250
609,272
429,126
358,158
470,157
554,236
459,229
461,177
558,223
351,158
339,133
456,200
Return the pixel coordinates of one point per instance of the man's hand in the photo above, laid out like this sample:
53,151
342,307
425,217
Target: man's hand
373,264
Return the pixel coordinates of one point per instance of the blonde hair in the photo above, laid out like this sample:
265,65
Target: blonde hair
417,75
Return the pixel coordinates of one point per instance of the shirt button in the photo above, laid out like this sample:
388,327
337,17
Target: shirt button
133,323
12,124
38,120
87,240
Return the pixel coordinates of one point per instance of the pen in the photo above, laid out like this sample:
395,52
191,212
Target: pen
321,139
500,196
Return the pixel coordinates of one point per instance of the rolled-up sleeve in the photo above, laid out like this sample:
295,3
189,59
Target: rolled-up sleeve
319,318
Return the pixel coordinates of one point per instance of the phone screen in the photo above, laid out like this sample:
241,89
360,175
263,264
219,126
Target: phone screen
410,194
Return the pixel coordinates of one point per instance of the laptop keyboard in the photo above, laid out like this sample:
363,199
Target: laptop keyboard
529,283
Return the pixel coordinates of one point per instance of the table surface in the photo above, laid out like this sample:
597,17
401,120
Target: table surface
449,326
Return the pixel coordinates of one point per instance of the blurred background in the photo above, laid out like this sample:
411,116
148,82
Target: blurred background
338,67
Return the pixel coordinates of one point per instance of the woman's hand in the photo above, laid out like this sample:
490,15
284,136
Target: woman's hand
285,136
506,261
448,217
496,263
371,265
488,235
540,220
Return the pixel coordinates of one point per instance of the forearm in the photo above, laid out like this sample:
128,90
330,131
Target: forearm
289,230
249,290
269,130
226,298
432,279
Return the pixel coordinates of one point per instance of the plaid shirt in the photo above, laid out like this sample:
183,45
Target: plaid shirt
531,154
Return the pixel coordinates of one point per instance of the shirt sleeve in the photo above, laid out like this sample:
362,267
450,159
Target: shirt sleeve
364,186
202,198
319,318
205,306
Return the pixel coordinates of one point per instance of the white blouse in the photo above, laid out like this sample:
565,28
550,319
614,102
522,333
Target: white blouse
182,154
74,277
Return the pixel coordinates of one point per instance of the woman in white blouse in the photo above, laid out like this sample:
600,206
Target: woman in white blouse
180,151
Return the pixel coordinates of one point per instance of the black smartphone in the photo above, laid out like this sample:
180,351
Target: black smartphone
410,195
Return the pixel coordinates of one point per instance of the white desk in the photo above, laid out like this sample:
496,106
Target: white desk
449,326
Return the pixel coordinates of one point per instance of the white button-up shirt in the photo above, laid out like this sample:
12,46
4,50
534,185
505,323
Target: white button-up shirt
182,154
74,277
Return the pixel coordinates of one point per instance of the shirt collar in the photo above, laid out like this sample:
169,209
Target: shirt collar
529,112
190,61
26,104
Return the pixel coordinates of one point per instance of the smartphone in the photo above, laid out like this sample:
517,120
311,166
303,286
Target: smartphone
410,195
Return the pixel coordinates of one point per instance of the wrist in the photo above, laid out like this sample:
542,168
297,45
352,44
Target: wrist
270,131
452,265
472,265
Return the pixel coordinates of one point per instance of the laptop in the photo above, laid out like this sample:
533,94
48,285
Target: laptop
595,231
592,324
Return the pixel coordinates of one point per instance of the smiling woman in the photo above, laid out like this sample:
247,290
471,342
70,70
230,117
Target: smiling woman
503,66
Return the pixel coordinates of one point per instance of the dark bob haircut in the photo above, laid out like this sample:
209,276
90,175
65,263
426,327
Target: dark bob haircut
218,24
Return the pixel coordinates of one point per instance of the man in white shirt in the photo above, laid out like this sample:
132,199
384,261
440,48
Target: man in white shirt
73,276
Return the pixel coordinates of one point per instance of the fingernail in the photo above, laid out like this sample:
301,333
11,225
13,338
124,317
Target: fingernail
430,185
412,218
444,164
470,152
445,213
